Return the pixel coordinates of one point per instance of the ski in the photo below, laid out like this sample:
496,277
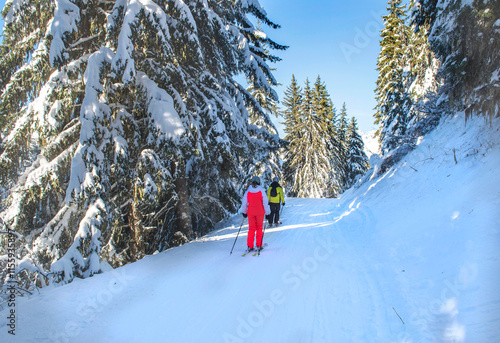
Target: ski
257,253
247,252
257,250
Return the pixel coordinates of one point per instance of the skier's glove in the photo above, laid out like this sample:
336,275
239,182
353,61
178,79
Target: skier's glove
283,204
244,215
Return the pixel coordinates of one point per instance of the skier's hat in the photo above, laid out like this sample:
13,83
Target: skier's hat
256,180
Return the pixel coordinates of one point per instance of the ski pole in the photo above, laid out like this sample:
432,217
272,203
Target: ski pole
281,212
237,236
263,231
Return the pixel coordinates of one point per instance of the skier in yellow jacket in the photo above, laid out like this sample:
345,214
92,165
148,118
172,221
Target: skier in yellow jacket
276,197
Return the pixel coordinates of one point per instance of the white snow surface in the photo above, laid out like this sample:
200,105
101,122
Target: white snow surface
411,256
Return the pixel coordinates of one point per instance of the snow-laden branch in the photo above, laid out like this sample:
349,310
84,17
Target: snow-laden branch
85,164
164,117
82,258
123,63
65,21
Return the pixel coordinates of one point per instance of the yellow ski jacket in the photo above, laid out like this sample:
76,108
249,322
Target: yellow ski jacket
279,197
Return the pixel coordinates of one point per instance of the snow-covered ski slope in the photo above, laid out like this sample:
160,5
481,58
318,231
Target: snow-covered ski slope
412,256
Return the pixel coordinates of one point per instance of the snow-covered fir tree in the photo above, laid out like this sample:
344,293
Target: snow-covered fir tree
292,102
421,64
325,111
308,158
316,162
264,159
123,126
337,153
341,134
465,36
422,82
265,148
311,160
356,159
447,59
391,93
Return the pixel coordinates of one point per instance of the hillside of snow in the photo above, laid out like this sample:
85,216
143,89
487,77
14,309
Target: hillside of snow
411,256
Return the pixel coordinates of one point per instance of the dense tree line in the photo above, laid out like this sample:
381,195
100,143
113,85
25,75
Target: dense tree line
325,153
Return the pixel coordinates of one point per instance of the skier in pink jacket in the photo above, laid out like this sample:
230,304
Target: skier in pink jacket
255,205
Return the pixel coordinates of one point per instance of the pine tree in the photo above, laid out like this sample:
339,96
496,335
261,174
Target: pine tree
308,156
265,158
124,127
422,83
325,111
343,167
317,160
292,102
407,100
392,97
356,161
337,154
465,37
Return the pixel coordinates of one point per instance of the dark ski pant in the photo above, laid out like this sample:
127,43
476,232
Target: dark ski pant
274,217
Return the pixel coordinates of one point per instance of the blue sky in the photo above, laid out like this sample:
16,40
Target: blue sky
336,39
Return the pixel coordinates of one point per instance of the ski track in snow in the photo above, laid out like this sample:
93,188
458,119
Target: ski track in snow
410,257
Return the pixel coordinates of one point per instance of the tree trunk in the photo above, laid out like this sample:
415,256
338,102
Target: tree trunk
137,233
182,209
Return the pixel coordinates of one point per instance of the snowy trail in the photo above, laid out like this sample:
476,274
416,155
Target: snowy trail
314,287
309,285
299,290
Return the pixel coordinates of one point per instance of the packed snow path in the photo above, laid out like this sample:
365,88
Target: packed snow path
411,256
311,284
